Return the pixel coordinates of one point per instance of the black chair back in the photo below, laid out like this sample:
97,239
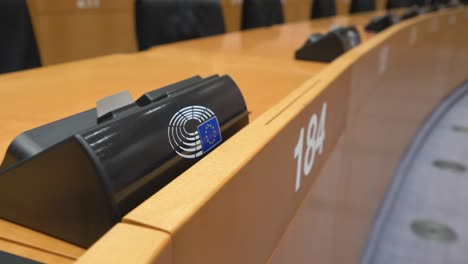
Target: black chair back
165,21
261,13
18,48
323,8
362,6
400,3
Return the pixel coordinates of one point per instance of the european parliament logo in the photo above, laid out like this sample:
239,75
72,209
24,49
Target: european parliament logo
193,131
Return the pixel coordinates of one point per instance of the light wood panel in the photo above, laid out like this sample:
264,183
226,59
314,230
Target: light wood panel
26,238
386,108
68,30
33,253
342,7
296,10
380,4
232,11
131,244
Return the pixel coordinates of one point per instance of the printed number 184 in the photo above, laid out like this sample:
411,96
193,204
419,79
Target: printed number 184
313,142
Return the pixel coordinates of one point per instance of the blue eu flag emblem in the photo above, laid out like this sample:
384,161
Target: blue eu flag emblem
210,134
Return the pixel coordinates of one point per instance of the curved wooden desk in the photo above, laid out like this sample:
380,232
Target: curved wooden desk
237,205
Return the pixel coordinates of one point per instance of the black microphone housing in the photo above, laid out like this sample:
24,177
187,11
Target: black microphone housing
76,177
326,48
378,24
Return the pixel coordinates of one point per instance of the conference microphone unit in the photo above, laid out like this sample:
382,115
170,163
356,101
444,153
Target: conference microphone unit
76,177
327,47
378,24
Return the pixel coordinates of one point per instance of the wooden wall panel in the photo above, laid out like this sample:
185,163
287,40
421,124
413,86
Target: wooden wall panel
342,7
68,30
256,199
232,10
391,95
297,10
381,4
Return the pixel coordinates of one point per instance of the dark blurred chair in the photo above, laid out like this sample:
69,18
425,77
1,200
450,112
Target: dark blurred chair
362,6
440,2
261,13
323,8
18,48
422,2
401,3
165,21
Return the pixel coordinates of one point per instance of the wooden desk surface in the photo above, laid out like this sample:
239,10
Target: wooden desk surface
108,75
280,41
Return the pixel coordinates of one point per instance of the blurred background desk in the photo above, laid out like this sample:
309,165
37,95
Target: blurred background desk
62,31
